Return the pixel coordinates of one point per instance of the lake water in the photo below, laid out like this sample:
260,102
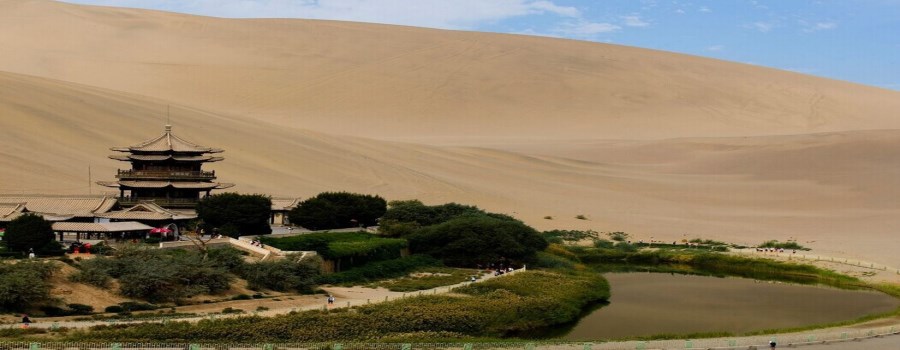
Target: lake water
645,304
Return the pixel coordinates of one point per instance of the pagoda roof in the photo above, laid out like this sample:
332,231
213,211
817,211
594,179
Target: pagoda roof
163,184
100,226
54,208
149,211
162,157
167,142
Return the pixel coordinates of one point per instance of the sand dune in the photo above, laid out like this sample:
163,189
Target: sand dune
656,144
836,191
436,86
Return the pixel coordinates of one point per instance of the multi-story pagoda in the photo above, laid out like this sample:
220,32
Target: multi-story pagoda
166,170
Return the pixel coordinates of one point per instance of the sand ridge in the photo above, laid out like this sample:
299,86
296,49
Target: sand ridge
660,145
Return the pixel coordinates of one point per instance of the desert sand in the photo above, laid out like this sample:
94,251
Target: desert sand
661,145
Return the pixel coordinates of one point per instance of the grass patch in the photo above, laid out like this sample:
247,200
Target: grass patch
790,245
493,308
426,278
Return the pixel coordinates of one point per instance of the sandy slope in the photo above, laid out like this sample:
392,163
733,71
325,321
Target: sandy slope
834,192
403,83
708,148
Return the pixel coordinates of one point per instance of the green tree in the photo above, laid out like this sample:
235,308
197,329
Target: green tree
330,210
478,239
31,232
288,274
236,214
24,284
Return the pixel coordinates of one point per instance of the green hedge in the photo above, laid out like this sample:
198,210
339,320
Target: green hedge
380,270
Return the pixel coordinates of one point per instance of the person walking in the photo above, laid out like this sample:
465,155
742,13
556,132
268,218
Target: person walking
330,300
25,321
772,343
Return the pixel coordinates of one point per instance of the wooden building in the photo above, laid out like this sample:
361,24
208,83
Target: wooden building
166,170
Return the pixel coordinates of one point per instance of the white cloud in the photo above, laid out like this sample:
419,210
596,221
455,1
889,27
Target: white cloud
815,27
764,27
635,21
705,9
679,11
458,14
715,48
586,29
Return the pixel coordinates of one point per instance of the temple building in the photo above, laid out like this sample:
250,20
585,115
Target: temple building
166,171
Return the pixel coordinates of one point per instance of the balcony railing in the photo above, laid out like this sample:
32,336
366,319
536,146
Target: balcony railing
163,202
165,174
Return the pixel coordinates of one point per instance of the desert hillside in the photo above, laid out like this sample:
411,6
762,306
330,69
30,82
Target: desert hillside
835,192
404,83
656,144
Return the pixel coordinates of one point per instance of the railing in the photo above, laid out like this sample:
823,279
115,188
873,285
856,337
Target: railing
171,202
165,174
755,342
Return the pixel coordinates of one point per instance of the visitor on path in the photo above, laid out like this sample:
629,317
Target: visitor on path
772,344
31,253
25,321
330,300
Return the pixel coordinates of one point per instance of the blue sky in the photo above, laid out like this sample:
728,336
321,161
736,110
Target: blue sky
854,40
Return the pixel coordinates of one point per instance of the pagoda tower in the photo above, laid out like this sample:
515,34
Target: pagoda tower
166,170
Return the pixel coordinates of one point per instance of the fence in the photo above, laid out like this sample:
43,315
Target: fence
758,342
816,257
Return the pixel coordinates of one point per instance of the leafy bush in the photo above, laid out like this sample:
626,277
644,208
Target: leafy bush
560,236
468,241
81,309
24,284
156,275
288,274
114,308
331,210
235,214
618,236
783,245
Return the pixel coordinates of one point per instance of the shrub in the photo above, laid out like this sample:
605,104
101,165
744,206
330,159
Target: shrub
24,284
560,236
289,274
231,310
467,241
783,245
618,236
114,309
156,275
581,217
330,210
241,297
81,309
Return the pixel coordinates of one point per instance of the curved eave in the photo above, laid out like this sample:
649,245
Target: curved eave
164,184
113,184
159,158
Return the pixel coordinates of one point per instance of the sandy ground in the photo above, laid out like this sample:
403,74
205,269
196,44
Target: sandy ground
660,145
